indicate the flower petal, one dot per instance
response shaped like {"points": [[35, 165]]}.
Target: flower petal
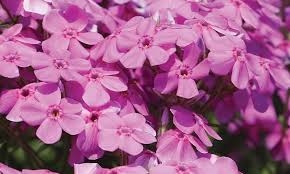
{"points": [[49, 131], [72, 124]]}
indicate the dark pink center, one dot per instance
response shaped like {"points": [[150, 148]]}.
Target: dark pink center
{"points": [[11, 57], [145, 42], [60, 63]]}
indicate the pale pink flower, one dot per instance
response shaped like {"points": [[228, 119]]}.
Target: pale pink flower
{"points": [[7, 170], [96, 83], [40, 7], [189, 122], [18, 97], [13, 33], [232, 56], [58, 64], [67, 28], [12, 56], [145, 44], [177, 168], [87, 141], [53, 114], [126, 133], [182, 74], [42, 171], [174, 145]]}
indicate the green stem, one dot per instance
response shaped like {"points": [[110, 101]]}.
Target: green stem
{"points": [[21, 143]]}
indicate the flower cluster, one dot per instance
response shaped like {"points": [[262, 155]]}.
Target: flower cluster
{"points": [[143, 80]]}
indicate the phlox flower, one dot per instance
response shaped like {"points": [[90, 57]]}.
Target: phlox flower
{"points": [[40, 7], [67, 28], [17, 97], [174, 145], [181, 74], [53, 114], [96, 83], [232, 56], [126, 133], [189, 122], [12, 56], [14, 34], [89, 168], [58, 64], [146, 43], [87, 142]]}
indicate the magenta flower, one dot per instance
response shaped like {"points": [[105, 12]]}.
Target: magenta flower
{"points": [[174, 145], [232, 56], [189, 122], [145, 44], [68, 28], [43, 171], [53, 114], [58, 64], [126, 133], [12, 56], [97, 81], [181, 75]]}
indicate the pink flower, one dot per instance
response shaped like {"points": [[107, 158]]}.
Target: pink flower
{"points": [[145, 44], [67, 28], [239, 10], [108, 49], [125, 133], [90, 168], [87, 142], [181, 75], [146, 159], [53, 114], [189, 122], [131, 101], [18, 97], [43, 171], [123, 170], [232, 55], [12, 56], [174, 145], [279, 143], [40, 7], [97, 81], [177, 168], [14, 34], [7, 170], [270, 69], [58, 64], [218, 165]]}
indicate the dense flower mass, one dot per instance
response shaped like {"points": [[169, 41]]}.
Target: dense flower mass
{"points": [[144, 86]]}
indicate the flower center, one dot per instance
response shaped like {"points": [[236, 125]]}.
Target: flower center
{"points": [[145, 42], [181, 169], [26, 93], [113, 172], [180, 135], [239, 54], [54, 112], [60, 63], [11, 57], [184, 71], [94, 116], [124, 131], [70, 33]]}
